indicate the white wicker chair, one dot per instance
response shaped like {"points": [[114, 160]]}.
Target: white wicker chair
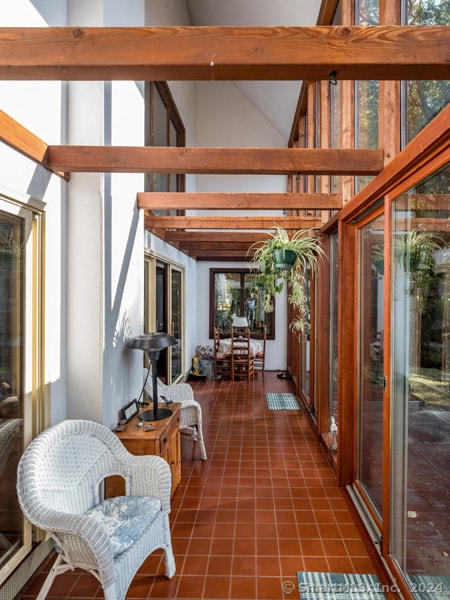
{"points": [[191, 411], [60, 480]]}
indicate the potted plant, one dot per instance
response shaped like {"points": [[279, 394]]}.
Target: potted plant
{"points": [[271, 259]]}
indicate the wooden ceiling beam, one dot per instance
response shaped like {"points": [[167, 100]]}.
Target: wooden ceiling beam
{"points": [[220, 237], [233, 223], [21, 139], [239, 255], [237, 201], [218, 161], [213, 245], [224, 53]]}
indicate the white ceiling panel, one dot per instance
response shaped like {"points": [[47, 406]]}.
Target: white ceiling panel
{"points": [[253, 12], [277, 101]]}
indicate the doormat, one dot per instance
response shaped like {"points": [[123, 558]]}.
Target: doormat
{"points": [[281, 402], [430, 586], [339, 586]]}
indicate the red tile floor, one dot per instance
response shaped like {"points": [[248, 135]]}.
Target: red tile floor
{"points": [[262, 507]]}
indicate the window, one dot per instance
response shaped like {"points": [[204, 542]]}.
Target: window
{"points": [[420, 381], [235, 293], [423, 100], [21, 365], [164, 127]]}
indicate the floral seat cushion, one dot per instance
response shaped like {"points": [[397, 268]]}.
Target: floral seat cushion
{"points": [[124, 518]]}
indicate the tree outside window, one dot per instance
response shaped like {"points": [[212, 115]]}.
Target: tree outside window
{"points": [[236, 293]]}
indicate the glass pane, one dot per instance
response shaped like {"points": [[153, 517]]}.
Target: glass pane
{"points": [[161, 316], [335, 131], [306, 352], [177, 323], [370, 361], [240, 294], [227, 299], [333, 331], [366, 121], [423, 100], [159, 133], [254, 305], [367, 12], [421, 384], [159, 183], [11, 392]]}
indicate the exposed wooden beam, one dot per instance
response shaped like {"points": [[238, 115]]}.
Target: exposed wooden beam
{"points": [[433, 138], [220, 253], [220, 237], [21, 139], [237, 201], [264, 223], [223, 53], [243, 161], [213, 245]]}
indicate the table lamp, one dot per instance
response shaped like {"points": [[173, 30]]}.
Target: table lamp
{"points": [[153, 343]]}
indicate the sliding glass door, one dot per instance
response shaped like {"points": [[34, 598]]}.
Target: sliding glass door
{"points": [[176, 322], [402, 463], [21, 406], [369, 474], [164, 310], [420, 536]]}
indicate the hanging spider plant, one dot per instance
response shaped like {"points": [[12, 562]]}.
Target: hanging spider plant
{"points": [[305, 246]]}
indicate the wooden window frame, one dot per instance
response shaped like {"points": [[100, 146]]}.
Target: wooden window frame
{"points": [[212, 274], [173, 118]]}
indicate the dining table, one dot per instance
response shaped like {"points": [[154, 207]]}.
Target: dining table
{"points": [[226, 344]]}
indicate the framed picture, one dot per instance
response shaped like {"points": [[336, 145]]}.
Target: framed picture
{"points": [[130, 410]]}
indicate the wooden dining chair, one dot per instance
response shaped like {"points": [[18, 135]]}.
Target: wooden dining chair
{"points": [[222, 362], [260, 357], [242, 358]]}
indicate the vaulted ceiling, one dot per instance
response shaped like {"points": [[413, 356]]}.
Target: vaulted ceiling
{"points": [[243, 54], [277, 101]]}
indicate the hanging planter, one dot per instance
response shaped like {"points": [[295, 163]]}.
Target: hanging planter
{"points": [[284, 258]]}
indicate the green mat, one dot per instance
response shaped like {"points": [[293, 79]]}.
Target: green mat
{"points": [[430, 587], [339, 586], [281, 402]]}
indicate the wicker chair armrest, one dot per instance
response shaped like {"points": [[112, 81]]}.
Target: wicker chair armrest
{"points": [[149, 476], [180, 392], [83, 539]]}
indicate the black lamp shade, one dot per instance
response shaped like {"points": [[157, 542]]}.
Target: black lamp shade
{"points": [[152, 343]]}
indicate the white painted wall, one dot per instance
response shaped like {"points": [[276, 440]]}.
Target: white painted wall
{"points": [[106, 235], [37, 106], [95, 237]]}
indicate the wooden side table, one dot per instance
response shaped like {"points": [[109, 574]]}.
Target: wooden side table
{"points": [[163, 440]]}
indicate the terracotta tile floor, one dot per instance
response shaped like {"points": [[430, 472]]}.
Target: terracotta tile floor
{"points": [[262, 507]]}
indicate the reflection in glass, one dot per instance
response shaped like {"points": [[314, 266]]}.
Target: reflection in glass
{"points": [[305, 339], [333, 326], [423, 100], [176, 323], [11, 393], [421, 381], [370, 355], [236, 293], [366, 121]]}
